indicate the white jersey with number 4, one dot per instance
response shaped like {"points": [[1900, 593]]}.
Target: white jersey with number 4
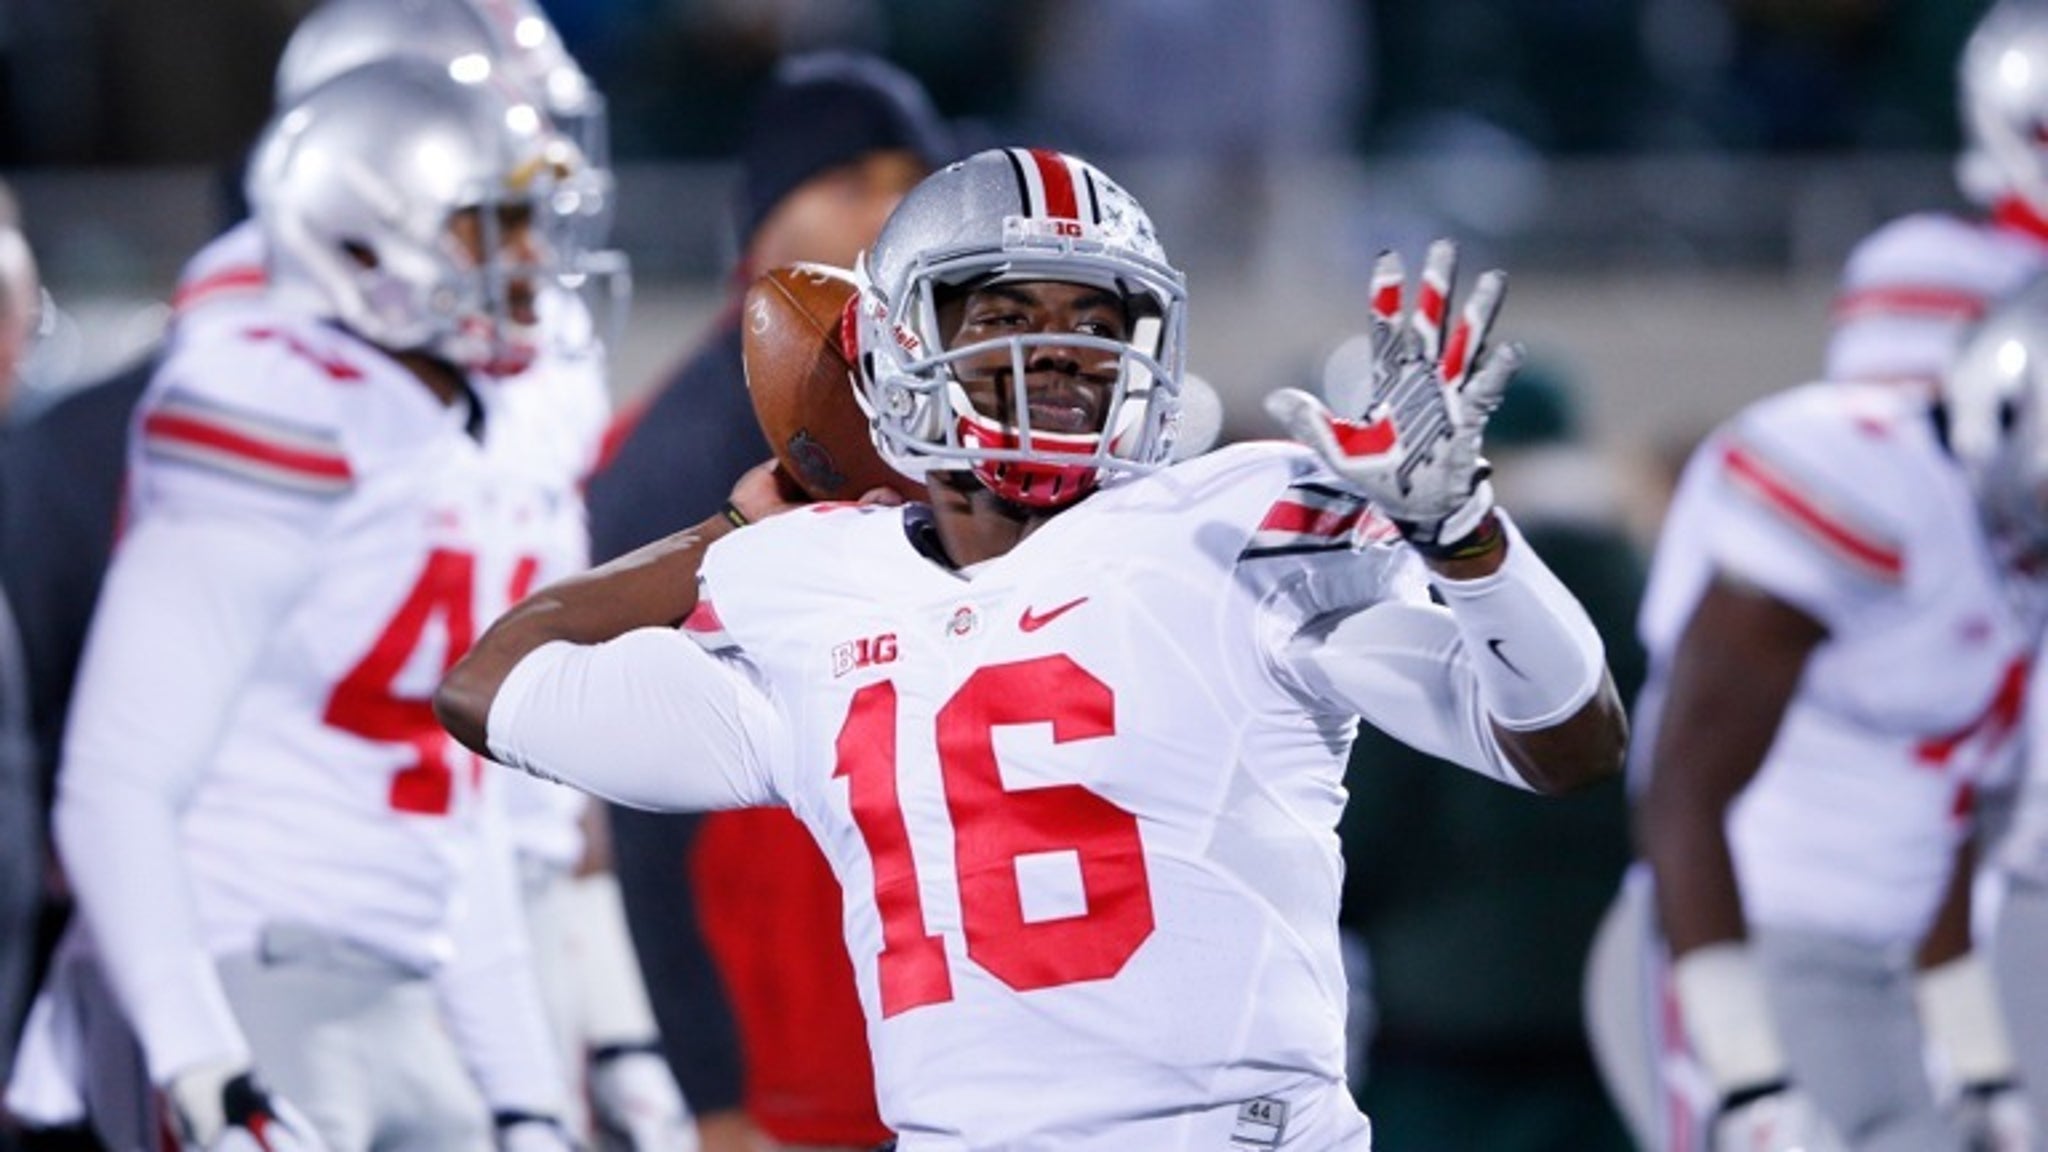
{"points": [[1838, 500], [1082, 798], [313, 538]]}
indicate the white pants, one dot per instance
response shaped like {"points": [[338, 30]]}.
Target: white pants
{"points": [[357, 1043]]}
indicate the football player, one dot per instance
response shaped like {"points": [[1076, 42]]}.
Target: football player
{"points": [[1073, 734], [1909, 292], [1841, 616], [300, 892]]}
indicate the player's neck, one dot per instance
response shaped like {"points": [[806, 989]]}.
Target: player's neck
{"points": [[975, 525], [447, 383]]}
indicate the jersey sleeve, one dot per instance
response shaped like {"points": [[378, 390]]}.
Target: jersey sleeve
{"points": [[650, 720], [187, 605], [245, 424], [1802, 509], [1911, 289], [236, 468]]}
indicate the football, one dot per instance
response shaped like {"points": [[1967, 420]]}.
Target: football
{"points": [[802, 386]]}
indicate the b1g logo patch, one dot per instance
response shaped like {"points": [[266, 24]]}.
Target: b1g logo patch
{"points": [[1261, 1123], [865, 652]]}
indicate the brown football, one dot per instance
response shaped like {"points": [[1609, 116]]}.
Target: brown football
{"points": [[802, 386]]}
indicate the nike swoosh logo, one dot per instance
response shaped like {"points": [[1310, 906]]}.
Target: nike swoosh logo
{"points": [[1493, 646], [1032, 622]]}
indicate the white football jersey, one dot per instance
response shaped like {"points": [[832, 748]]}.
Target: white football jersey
{"points": [[570, 408], [332, 536], [1839, 500], [224, 277], [1913, 287], [1083, 811]]}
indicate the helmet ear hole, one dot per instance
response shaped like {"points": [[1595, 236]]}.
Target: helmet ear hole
{"points": [[360, 252]]}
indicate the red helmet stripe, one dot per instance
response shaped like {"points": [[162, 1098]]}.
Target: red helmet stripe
{"points": [[1056, 181]]}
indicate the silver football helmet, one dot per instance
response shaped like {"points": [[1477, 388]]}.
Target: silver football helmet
{"points": [[507, 40], [2003, 81], [1993, 413], [1016, 214], [358, 187]]}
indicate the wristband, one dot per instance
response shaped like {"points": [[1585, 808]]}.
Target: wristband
{"points": [[734, 516], [1489, 536], [1959, 1009], [1721, 999]]}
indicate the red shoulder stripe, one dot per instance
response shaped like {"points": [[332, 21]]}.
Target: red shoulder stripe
{"points": [[1909, 300], [231, 279], [1777, 492], [247, 445]]}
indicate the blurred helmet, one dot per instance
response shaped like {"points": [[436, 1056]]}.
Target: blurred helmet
{"points": [[1016, 215], [1993, 413], [357, 187], [509, 40], [2003, 79]]}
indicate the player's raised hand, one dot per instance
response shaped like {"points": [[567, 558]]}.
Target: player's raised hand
{"points": [[222, 1108], [1413, 448]]}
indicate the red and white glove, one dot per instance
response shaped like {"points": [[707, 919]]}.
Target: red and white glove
{"points": [[221, 1108], [1414, 450]]}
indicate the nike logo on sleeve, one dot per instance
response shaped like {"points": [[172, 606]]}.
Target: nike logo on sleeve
{"points": [[1494, 646], [1032, 622]]}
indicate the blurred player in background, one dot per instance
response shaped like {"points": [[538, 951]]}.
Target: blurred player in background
{"points": [[1909, 291], [312, 896], [1841, 614], [606, 1032], [736, 914], [1073, 734]]}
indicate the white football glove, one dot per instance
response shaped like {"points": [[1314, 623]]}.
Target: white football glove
{"points": [[637, 1106], [222, 1108], [1996, 1118], [1782, 1120], [1414, 449]]}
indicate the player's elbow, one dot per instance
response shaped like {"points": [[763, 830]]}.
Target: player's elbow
{"points": [[1589, 746], [463, 706]]}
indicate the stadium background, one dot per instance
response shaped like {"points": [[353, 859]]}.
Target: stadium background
{"points": [[1671, 183]]}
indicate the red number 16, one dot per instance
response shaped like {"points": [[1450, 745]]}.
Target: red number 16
{"points": [[992, 827]]}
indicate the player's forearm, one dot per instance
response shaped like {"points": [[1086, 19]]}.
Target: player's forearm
{"points": [[137, 900], [1540, 665], [655, 586]]}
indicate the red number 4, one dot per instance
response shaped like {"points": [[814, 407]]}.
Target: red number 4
{"points": [[992, 828], [366, 702]]}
